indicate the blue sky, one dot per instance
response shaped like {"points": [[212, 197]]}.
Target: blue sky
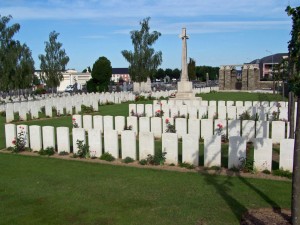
{"points": [[221, 32]]}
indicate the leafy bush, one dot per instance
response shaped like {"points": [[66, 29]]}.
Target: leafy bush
{"points": [[282, 173], [266, 171], [63, 153], [246, 165], [83, 150], [3, 113], [157, 159], [128, 160], [40, 91], [19, 142], [143, 162], [87, 109], [48, 151], [187, 165], [107, 157]]}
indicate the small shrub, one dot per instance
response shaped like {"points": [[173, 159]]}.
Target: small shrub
{"points": [[234, 169], [128, 127], [143, 162], [128, 160], [266, 171], [63, 153], [172, 164], [246, 165], [48, 151], [282, 173], [187, 165], [83, 150], [157, 159], [170, 127], [107, 157]]}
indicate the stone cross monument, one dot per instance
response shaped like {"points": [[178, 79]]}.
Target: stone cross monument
{"points": [[184, 86]]}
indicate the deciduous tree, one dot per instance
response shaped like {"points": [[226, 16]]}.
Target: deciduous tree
{"points": [[54, 62], [294, 61], [192, 69], [143, 59]]}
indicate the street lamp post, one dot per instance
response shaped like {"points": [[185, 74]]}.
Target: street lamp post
{"points": [[272, 71]]}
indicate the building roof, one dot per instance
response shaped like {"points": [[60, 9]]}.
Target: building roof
{"points": [[276, 58], [120, 71]]}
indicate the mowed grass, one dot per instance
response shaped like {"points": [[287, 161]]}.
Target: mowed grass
{"points": [[43, 190]]}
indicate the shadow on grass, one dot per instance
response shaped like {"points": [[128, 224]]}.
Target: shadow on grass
{"points": [[223, 188]]}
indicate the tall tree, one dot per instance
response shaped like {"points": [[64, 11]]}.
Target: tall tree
{"points": [[294, 60], [54, 62], [143, 60], [101, 73], [160, 74], [192, 69], [176, 73], [16, 63]]}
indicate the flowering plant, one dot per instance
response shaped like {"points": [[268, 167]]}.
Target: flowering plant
{"points": [[170, 127], [159, 113], [219, 129], [20, 141], [75, 124]]}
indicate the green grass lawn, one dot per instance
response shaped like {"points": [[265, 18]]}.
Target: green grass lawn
{"points": [[43, 190]]}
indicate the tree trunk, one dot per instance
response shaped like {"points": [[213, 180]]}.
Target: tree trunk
{"points": [[296, 173], [291, 114]]}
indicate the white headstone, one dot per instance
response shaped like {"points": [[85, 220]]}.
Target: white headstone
{"points": [[149, 110], [132, 121], [128, 144], [192, 111], [63, 139], [181, 126], [78, 134], [278, 131], [77, 119], [230, 103], [194, 127], [144, 124], [239, 103], [222, 112], [262, 129], [170, 146], [234, 128], [35, 137], [231, 112], [9, 113], [212, 112], [119, 124], [212, 151], [87, 122], [206, 128], [48, 137], [202, 112], [146, 144], [108, 123], [236, 151], [190, 149], [132, 109], [95, 142], [286, 157], [262, 154], [248, 129], [10, 135], [156, 126], [98, 122], [111, 144]]}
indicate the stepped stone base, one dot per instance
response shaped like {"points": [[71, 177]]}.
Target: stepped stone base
{"points": [[185, 91]]}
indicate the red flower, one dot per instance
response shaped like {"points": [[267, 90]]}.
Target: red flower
{"points": [[73, 119], [220, 126], [13, 142], [158, 111], [167, 120]]}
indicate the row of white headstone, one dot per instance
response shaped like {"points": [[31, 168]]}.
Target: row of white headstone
{"points": [[62, 104], [203, 128], [210, 112], [43, 137]]}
